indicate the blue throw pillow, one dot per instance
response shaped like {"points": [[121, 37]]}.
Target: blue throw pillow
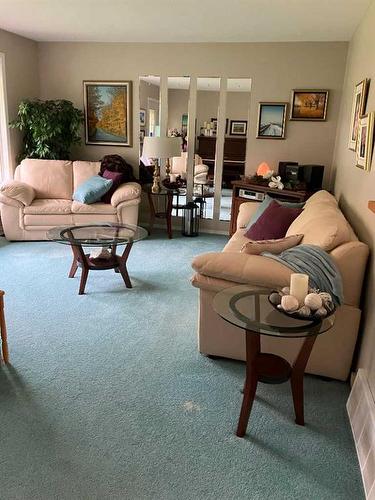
{"points": [[266, 203], [92, 190]]}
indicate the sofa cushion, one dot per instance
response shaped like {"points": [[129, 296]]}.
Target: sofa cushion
{"points": [[49, 207], [50, 179], [322, 224], [117, 179], [266, 203], [83, 170], [93, 208], [272, 246], [18, 191], [273, 223], [92, 189]]}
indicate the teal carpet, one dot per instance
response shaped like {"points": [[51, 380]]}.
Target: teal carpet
{"points": [[108, 398]]}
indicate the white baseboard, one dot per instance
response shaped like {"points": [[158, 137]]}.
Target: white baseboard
{"points": [[361, 411]]}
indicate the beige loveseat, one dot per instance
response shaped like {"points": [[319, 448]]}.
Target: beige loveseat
{"points": [[322, 224], [40, 197]]}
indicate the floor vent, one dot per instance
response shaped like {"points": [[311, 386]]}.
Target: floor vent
{"points": [[361, 411]]}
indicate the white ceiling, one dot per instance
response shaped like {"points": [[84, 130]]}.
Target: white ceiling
{"points": [[183, 21], [183, 83]]}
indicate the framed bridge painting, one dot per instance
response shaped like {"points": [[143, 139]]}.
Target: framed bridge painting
{"points": [[108, 112], [271, 120]]}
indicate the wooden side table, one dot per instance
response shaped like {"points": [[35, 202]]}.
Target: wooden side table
{"points": [[4, 342], [282, 195], [161, 206], [250, 309]]}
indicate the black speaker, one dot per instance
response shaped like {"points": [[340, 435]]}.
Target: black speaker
{"points": [[313, 176], [309, 177]]}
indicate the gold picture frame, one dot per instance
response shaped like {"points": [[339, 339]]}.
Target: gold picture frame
{"points": [[365, 141], [108, 113], [309, 105], [358, 110], [271, 120]]}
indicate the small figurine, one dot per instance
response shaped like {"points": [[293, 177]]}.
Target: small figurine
{"points": [[276, 183]]}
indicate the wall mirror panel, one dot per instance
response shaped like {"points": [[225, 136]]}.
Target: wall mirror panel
{"points": [[177, 126], [235, 145], [208, 92], [149, 105]]}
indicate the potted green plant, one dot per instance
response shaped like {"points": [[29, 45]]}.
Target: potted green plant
{"points": [[50, 128]]}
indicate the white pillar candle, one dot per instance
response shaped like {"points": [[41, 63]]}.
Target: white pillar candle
{"points": [[299, 286]]}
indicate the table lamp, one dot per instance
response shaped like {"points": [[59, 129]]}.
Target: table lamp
{"points": [[161, 147]]}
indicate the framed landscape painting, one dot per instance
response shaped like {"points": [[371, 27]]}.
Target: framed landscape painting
{"points": [[108, 111], [309, 105], [358, 110], [365, 141], [271, 120]]}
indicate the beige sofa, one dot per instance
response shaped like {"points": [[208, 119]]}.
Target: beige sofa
{"points": [[40, 197], [322, 224]]}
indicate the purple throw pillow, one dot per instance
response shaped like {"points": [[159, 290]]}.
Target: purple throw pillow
{"points": [[273, 223], [117, 178]]}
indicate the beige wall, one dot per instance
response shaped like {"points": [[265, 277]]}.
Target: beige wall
{"points": [[354, 187], [22, 77], [275, 69]]}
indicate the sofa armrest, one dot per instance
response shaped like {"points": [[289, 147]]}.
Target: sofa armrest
{"points": [[126, 192], [243, 268], [18, 191], [200, 169], [246, 210], [11, 202]]}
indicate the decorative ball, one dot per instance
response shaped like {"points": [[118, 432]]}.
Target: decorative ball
{"points": [[314, 301], [326, 297], [304, 311], [275, 298], [321, 312], [285, 290], [289, 303]]}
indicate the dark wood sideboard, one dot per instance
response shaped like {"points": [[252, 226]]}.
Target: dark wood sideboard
{"points": [[234, 156], [284, 195]]}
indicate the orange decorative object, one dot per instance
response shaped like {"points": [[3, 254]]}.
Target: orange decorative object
{"points": [[371, 205], [263, 169]]}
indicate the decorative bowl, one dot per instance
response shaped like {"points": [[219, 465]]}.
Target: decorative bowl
{"points": [[313, 317]]}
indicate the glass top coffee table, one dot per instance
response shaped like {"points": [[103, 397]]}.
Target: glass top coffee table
{"points": [[249, 308], [106, 234]]}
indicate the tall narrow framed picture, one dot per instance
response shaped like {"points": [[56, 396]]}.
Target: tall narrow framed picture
{"points": [[309, 105], [108, 112], [365, 141], [271, 120], [142, 117], [358, 110]]}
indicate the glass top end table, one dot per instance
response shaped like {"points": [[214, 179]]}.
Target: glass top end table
{"points": [[249, 308], [101, 234]]}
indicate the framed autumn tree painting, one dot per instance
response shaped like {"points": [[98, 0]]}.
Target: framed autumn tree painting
{"points": [[108, 112]]}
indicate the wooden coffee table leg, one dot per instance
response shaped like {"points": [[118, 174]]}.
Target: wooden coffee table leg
{"points": [[73, 268], [296, 378], [80, 257], [251, 382], [122, 265], [4, 342]]}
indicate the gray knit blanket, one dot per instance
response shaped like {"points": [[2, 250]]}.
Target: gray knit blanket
{"points": [[317, 264]]}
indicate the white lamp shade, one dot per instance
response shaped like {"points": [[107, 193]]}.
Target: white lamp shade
{"points": [[161, 147]]}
